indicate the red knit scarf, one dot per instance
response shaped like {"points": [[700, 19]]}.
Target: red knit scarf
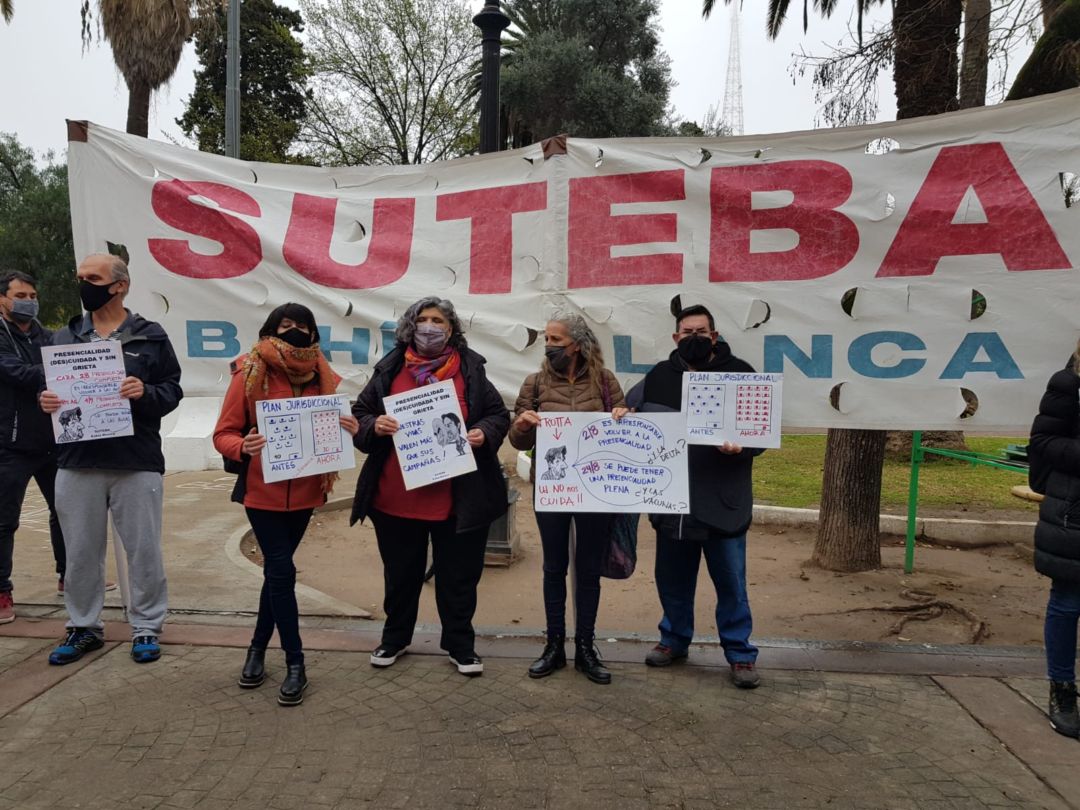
{"points": [[430, 370]]}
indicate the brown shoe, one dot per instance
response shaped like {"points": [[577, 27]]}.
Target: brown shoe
{"points": [[7, 608], [745, 675]]}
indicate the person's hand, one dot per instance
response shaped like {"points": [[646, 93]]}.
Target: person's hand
{"points": [[132, 388], [253, 442], [729, 448], [619, 413], [385, 425], [475, 437], [527, 421], [350, 424], [49, 401]]}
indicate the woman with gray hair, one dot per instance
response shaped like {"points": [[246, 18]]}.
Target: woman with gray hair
{"points": [[572, 377], [454, 515]]}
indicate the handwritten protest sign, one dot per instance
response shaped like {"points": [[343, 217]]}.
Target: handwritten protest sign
{"points": [[739, 408], [430, 441], [87, 377], [303, 436], [588, 462]]}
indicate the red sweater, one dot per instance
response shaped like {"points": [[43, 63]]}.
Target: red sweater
{"points": [[280, 496], [433, 502]]}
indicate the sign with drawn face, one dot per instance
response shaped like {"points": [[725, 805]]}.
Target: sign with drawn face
{"points": [[87, 377], [304, 436], [588, 462], [430, 441]]}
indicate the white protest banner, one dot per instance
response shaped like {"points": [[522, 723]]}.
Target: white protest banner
{"points": [[740, 408], [588, 462], [430, 440], [900, 275], [87, 377], [304, 436]]}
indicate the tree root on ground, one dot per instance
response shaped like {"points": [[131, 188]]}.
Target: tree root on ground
{"points": [[925, 608]]}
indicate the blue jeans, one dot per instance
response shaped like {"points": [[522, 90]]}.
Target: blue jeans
{"points": [[1059, 633], [677, 563]]}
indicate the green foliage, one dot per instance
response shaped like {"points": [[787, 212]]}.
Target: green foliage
{"points": [[273, 83], [791, 476], [35, 227], [391, 80], [589, 68]]}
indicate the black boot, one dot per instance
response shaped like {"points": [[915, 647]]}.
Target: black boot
{"points": [[292, 688], [254, 672], [552, 658], [1064, 718], [587, 660]]}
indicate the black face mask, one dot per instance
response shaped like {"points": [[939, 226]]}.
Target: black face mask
{"points": [[557, 358], [95, 296], [294, 337], [695, 349]]}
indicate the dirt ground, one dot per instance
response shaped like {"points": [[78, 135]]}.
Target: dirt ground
{"points": [[789, 598]]}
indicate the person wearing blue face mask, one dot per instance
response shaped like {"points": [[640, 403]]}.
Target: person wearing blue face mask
{"points": [[27, 449], [453, 515]]}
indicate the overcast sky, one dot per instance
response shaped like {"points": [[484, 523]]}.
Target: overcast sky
{"points": [[47, 77]]}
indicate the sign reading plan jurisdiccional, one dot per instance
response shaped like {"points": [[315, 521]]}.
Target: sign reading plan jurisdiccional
{"points": [[304, 436], [740, 408]]}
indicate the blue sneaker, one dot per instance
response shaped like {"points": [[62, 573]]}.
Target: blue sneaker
{"points": [[145, 649], [78, 643]]}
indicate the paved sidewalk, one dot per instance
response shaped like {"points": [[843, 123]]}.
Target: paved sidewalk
{"points": [[108, 733]]}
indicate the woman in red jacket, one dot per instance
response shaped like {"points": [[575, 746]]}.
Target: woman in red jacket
{"points": [[286, 362]]}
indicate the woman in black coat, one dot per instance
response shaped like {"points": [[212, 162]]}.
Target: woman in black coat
{"points": [[1054, 453], [453, 514]]}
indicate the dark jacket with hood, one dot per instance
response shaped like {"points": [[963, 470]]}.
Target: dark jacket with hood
{"points": [[24, 427], [148, 355], [479, 497], [1054, 453], [721, 490]]}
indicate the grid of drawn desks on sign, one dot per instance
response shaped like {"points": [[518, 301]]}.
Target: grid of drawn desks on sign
{"points": [[753, 407], [283, 439], [326, 427], [705, 407]]}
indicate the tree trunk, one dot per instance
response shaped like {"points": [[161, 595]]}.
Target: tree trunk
{"points": [[848, 538], [1049, 9], [927, 36], [138, 117], [974, 68], [925, 74], [1054, 63]]}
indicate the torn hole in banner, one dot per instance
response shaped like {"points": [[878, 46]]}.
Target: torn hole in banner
{"points": [[356, 232], [890, 204], [599, 158], [1070, 188], [676, 306], [882, 146], [888, 404], [978, 304], [971, 403], [142, 166], [757, 313], [878, 303], [598, 314], [250, 291], [847, 302], [159, 306], [834, 396], [530, 268], [761, 153], [690, 156]]}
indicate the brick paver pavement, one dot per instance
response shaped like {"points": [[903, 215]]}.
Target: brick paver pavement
{"points": [[179, 733]]}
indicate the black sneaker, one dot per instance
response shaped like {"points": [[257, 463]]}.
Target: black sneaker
{"points": [[384, 655], [468, 664], [1064, 718], [78, 643]]}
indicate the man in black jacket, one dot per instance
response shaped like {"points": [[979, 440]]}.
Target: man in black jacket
{"points": [[26, 436], [721, 506], [119, 476]]}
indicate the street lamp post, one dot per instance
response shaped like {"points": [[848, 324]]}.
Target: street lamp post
{"points": [[232, 81], [491, 21]]}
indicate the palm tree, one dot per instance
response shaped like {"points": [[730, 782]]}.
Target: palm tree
{"points": [[147, 38], [7, 9]]}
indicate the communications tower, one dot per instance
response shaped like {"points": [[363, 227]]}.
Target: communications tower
{"points": [[732, 113]]}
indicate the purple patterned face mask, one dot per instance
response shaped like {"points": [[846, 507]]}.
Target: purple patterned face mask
{"points": [[430, 339]]}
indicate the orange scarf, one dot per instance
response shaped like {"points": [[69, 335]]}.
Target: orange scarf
{"points": [[299, 365]]}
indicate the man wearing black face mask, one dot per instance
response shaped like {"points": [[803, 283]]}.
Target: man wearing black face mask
{"points": [[721, 506], [26, 436], [119, 476]]}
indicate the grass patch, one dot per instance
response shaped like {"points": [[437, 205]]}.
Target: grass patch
{"points": [[791, 476]]}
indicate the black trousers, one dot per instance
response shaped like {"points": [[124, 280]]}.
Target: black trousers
{"points": [[459, 561], [591, 539], [279, 534], [16, 470]]}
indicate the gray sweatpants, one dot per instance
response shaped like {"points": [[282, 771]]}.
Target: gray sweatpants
{"points": [[84, 499]]}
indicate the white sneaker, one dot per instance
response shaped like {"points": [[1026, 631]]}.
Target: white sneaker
{"points": [[470, 664], [384, 656]]}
